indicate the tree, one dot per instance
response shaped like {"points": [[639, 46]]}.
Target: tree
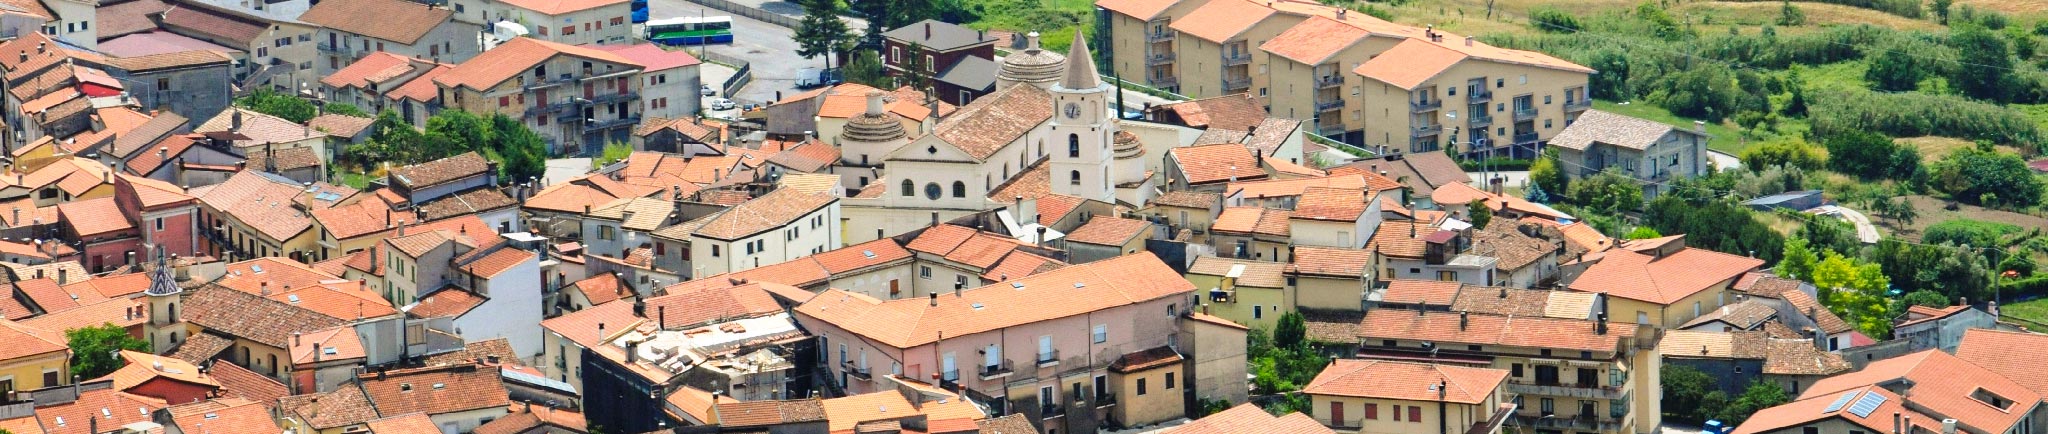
{"points": [[522, 152], [1989, 75], [1685, 391], [1895, 70], [1607, 191], [269, 102], [613, 152], [345, 110], [1798, 261], [1536, 194], [1292, 331], [1547, 173], [1986, 177], [1713, 223], [1790, 151], [1855, 291], [93, 349], [866, 68], [1480, 212], [1924, 298], [1871, 156], [1758, 396], [1706, 90], [1940, 8], [1904, 211], [1643, 233], [1551, 19], [1789, 15], [821, 32]]}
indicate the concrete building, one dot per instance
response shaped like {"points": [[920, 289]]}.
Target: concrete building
{"points": [[958, 61], [279, 48], [1389, 397], [1737, 359], [582, 22], [1649, 151], [1690, 282], [355, 28], [538, 82], [670, 82], [1942, 329], [1923, 392]]}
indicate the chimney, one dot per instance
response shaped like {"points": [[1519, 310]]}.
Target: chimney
{"points": [[935, 299], [235, 121], [1600, 324], [875, 103], [661, 316], [1259, 158], [958, 287], [1041, 236], [927, 30], [1948, 426], [1027, 210], [1895, 422], [63, 275], [1233, 173], [1464, 318], [265, 286], [639, 307], [1699, 127], [1031, 42], [163, 152], [1503, 292], [1468, 41], [1340, 14], [295, 339]]}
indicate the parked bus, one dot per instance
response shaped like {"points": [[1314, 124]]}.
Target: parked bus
{"points": [[639, 11], [690, 30]]}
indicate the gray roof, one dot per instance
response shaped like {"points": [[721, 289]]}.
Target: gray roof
{"points": [[1612, 129], [938, 35], [972, 73]]}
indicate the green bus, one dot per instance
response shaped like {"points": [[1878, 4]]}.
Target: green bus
{"points": [[690, 30]]}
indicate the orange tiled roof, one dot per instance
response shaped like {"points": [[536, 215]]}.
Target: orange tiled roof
{"points": [[119, 312], [1253, 220], [1313, 41], [863, 255], [262, 202], [1523, 332], [436, 390], [1666, 280], [414, 423], [1407, 381], [1401, 238], [993, 121], [1143, 10], [391, 20], [1942, 383], [1223, 162], [144, 367], [1263, 274], [1249, 418], [18, 341], [515, 57], [1330, 261], [113, 286], [526, 417], [1222, 20], [1108, 231], [1331, 204], [909, 323], [452, 302], [1429, 292], [104, 407], [2007, 353]]}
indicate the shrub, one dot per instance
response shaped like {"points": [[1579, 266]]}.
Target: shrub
{"points": [[1782, 152], [1967, 232], [1986, 177], [1871, 156], [1550, 19], [1919, 114]]}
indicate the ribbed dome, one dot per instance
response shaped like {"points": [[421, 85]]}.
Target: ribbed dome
{"points": [[872, 128], [1033, 65], [1127, 146]]}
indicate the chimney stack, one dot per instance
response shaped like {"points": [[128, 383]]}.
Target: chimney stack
{"points": [[958, 287], [875, 105], [935, 299], [1464, 319], [927, 30]]}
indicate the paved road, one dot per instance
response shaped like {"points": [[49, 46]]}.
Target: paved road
{"points": [[1865, 231], [767, 46], [1724, 161], [562, 170]]}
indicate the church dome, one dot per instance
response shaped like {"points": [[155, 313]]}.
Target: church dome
{"points": [[873, 125], [1033, 65], [1127, 146]]}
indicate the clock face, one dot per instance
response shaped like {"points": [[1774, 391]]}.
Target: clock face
{"points": [[1073, 110]]}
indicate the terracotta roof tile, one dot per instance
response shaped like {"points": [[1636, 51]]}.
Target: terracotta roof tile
{"points": [[776, 209], [767, 413], [421, 88], [104, 407], [908, 323], [1623, 273], [249, 316], [1222, 21], [1254, 273], [340, 125], [1941, 383], [562, 7], [201, 347], [170, 60], [1253, 220], [435, 172], [1018, 264], [1249, 418], [1189, 199], [1744, 315], [1225, 162], [1407, 381], [492, 264], [1597, 126], [2006, 353], [451, 302], [18, 341], [992, 121], [212, 20], [863, 255], [1313, 41], [261, 201], [415, 423], [118, 312], [1143, 10], [1506, 241], [527, 417], [437, 390], [1108, 231], [391, 20], [1502, 301], [515, 57], [1428, 292], [1520, 332], [1331, 204], [1330, 262]]}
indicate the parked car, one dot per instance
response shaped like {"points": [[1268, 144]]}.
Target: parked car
{"points": [[723, 104], [707, 91]]}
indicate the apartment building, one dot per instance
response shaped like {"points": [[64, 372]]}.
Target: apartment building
{"points": [[579, 22], [279, 49], [671, 80], [376, 82], [1649, 151], [1564, 375], [1005, 346], [780, 226], [1399, 397], [1359, 78], [538, 82], [356, 28]]}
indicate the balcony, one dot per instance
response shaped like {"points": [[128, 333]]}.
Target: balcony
{"points": [[1160, 36], [1478, 95], [1480, 121], [1163, 82], [1323, 106], [1104, 399], [1524, 138], [336, 49], [1331, 81], [1571, 423], [1230, 84], [1426, 130], [949, 379], [1425, 106], [1048, 358], [999, 370], [1330, 128], [1579, 391], [856, 371], [538, 83], [1157, 59], [1578, 105], [558, 106], [611, 123], [615, 97], [1051, 411], [1238, 58], [1525, 113]]}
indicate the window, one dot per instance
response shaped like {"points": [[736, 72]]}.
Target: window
{"points": [[1101, 334], [929, 65], [159, 223], [1074, 177], [1809, 430], [959, 189], [924, 271], [1045, 351], [960, 280], [618, 21], [1258, 312], [1447, 276], [568, 30], [49, 379], [607, 233], [1141, 387], [1415, 414], [1515, 370], [1372, 411], [714, 250], [504, 101], [1073, 146], [931, 191], [895, 54], [909, 188], [1397, 413], [1549, 406], [1169, 380]]}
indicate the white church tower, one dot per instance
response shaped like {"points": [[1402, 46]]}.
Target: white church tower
{"points": [[1082, 129]]}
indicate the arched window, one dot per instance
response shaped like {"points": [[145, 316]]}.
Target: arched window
{"points": [[909, 188], [959, 189], [1073, 146], [1074, 177]]}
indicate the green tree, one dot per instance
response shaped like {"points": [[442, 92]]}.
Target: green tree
{"points": [[1984, 176], [94, 349], [1643, 233], [1547, 174], [821, 32], [522, 152], [1292, 331], [1894, 70], [1758, 396], [1706, 90], [1854, 290], [1924, 298], [1790, 15], [1940, 8], [1781, 152], [1871, 156], [1481, 213], [269, 102], [1607, 191], [1685, 392], [1798, 261], [866, 68], [345, 110], [613, 152], [1551, 19], [1904, 211], [1989, 76], [1713, 223]]}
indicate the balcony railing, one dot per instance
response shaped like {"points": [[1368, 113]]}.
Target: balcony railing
{"points": [[611, 123], [1579, 391], [999, 370], [1330, 128], [341, 49], [1160, 36], [1577, 105], [1525, 113], [1478, 95], [1330, 81], [856, 370], [1234, 59], [615, 97], [537, 83], [1525, 138], [1426, 130], [1048, 358], [1237, 83], [1480, 121], [1163, 81], [1051, 411], [1158, 59], [558, 106], [1323, 106], [1425, 106], [1104, 399], [1571, 423]]}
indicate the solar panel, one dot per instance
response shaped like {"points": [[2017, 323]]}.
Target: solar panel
{"points": [[1839, 402], [1868, 403]]}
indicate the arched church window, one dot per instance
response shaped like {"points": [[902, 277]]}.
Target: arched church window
{"points": [[909, 188], [959, 189], [1073, 146], [1074, 177]]}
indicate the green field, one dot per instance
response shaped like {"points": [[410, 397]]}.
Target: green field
{"points": [[1726, 137], [2034, 311]]}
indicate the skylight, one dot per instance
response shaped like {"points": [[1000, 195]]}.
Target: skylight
{"points": [[1868, 403], [1839, 402]]}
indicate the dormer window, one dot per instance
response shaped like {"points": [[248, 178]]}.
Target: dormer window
{"points": [[1992, 399]]}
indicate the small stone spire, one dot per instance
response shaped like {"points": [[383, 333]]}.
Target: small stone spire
{"points": [[1080, 65]]}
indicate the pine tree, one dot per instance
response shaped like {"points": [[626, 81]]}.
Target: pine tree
{"points": [[821, 32]]}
